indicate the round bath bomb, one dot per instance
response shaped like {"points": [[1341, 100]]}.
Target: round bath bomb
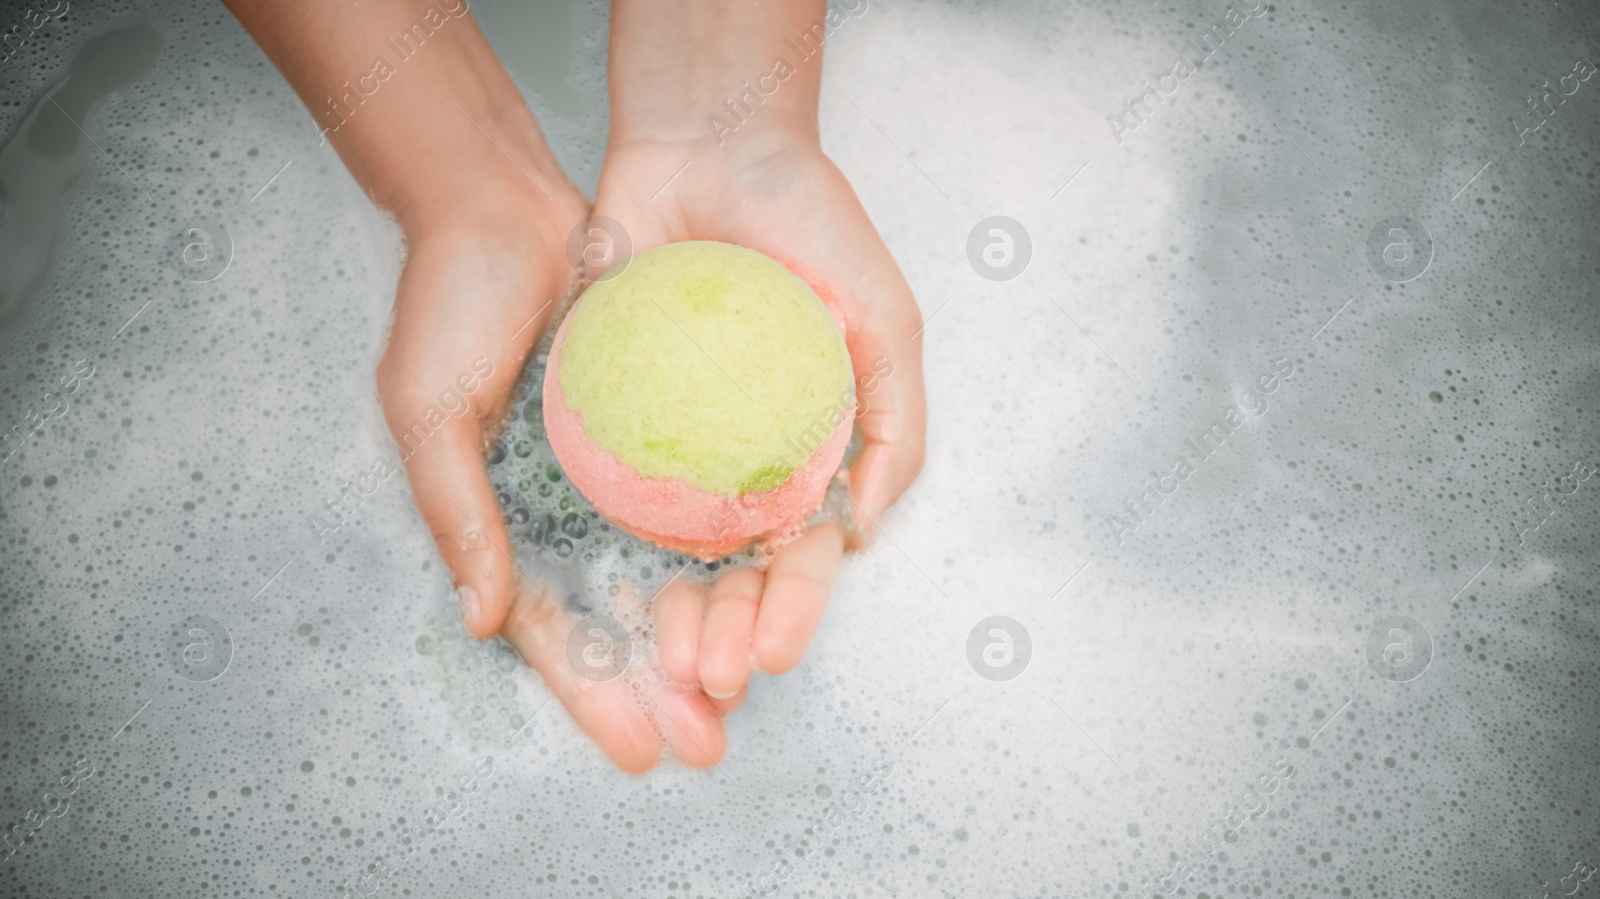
{"points": [[701, 397]]}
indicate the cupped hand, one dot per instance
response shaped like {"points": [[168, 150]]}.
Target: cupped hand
{"points": [[482, 278], [782, 196]]}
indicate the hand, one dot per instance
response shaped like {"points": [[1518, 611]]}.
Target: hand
{"points": [[481, 280], [779, 194], [447, 144], [757, 177], [444, 141]]}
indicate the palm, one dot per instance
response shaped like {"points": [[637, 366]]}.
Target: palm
{"points": [[794, 206]]}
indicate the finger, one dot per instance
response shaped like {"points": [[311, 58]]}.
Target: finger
{"points": [[455, 498], [683, 715], [885, 343], [724, 661], [679, 611], [609, 712], [794, 597], [892, 415], [722, 708], [691, 727]]}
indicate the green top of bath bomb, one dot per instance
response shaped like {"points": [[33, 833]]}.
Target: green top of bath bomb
{"points": [[706, 362]]}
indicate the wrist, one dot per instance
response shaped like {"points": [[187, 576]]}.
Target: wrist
{"points": [[445, 145], [722, 111], [752, 150], [733, 70], [454, 188], [505, 218], [467, 152]]}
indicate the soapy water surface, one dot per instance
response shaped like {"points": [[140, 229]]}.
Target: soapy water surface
{"points": [[1254, 554]]}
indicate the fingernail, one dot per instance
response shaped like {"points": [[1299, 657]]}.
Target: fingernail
{"points": [[729, 695], [468, 598]]}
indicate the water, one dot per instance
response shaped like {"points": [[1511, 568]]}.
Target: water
{"points": [[49, 155], [1327, 637]]}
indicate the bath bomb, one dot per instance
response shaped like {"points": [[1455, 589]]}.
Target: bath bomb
{"points": [[701, 397]]}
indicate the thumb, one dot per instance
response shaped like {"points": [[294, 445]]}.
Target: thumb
{"points": [[453, 493]]}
